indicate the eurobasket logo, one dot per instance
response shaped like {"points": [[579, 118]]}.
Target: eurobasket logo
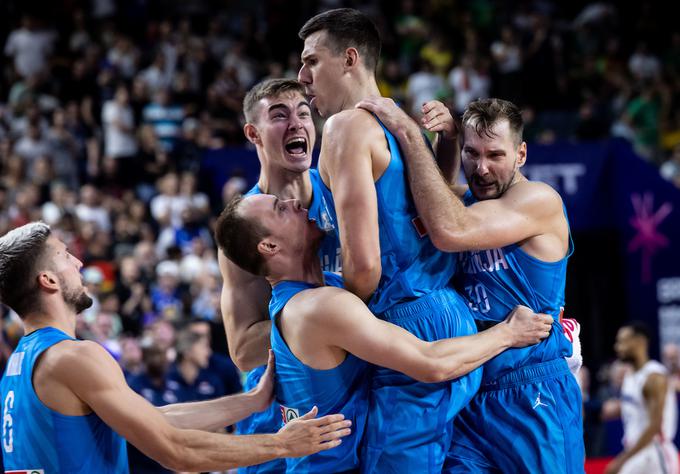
{"points": [[289, 414], [27, 471]]}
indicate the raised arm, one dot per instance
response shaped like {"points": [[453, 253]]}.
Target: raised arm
{"points": [[346, 161], [525, 210], [345, 322], [89, 372], [245, 313], [437, 118]]}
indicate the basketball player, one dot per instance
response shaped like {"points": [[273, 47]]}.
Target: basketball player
{"points": [[279, 124], [647, 407], [322, 333], [387, 261], [66, 406], [515, 240]]}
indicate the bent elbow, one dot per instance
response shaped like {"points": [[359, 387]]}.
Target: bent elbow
{"points": [[240, 358], [445, 240]]}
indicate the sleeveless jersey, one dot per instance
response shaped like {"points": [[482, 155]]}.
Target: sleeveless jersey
{"points": [[268, 421], [633, 409], [343, 389], [497, 280], [319, 212], [411, 265], [36, 438]]}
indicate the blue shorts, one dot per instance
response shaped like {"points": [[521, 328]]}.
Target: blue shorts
{"points": [[409, 422], [268, 421], [526, 421]]}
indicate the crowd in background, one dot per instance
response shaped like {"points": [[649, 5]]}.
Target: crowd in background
{"points": [[107, 107]]}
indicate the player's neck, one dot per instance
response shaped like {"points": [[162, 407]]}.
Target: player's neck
{"points": [[365, 87], [639, 361], [287, 185], [65, 321], [306, 269]]}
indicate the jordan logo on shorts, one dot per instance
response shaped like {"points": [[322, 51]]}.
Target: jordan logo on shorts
{"points": [[539, 403]]}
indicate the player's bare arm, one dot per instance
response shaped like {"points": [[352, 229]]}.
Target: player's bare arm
{"points": [[526, 210], [245, 313], [213, 415], [96, 382], [437, 118], [350, 162], [339, 319], [654, 393]]}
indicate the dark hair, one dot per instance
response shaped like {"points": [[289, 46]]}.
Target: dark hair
{"points": [[21, 251], [347, 28], [185, 341], [265, 89], [640, 329], [483, 114], [238, 238]]}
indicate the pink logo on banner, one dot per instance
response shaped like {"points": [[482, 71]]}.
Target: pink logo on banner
{"points": [[646, 222]]}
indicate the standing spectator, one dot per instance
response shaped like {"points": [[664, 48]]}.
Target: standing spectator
{"points": [[165, 117], [469, 82], [90, 209], [30, 47], [64, 151], [507, 57], [423, 86], [120, 143]]}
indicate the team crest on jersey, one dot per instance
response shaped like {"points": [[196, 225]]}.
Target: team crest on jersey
{"points": [[420, 227], [27, 471], [289, 414]]}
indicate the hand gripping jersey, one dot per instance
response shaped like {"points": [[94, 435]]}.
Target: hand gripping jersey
{"points": [[342, 389], [38, 439], [268, 421]]}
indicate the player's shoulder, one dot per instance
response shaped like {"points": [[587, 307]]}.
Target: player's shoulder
{"points": [[535, 193], [70, 358], [320, 302], [351, 121]]}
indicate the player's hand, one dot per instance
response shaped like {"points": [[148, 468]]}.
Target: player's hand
{"points": [[263, 393], [389, 113], [437, 118], [308, 435], [527, 327]]}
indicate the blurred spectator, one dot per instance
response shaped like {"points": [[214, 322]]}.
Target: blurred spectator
{"points": [[643, 65], [423, 85], [670, 170], [165, 118], [469, 82], [120, 143], [30, 46], [507, 57], [90, 208]]}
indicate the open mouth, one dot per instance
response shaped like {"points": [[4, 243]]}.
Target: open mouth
{"points": [[296, 146]]}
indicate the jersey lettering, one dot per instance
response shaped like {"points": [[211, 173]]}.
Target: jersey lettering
{"points": [[7, 423]]}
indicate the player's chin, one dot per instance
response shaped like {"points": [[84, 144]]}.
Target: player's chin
{"points": [[482, 192]]}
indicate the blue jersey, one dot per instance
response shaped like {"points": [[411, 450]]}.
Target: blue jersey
{"points": [[269, 421], [411, 265], [343, 389], [36, 438], [497, 280], [320, 212]]}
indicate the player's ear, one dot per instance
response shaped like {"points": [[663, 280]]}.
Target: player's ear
{"points": [[47, 281], [267, 248], [252, 134], [522, 154], [351, 57]]}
